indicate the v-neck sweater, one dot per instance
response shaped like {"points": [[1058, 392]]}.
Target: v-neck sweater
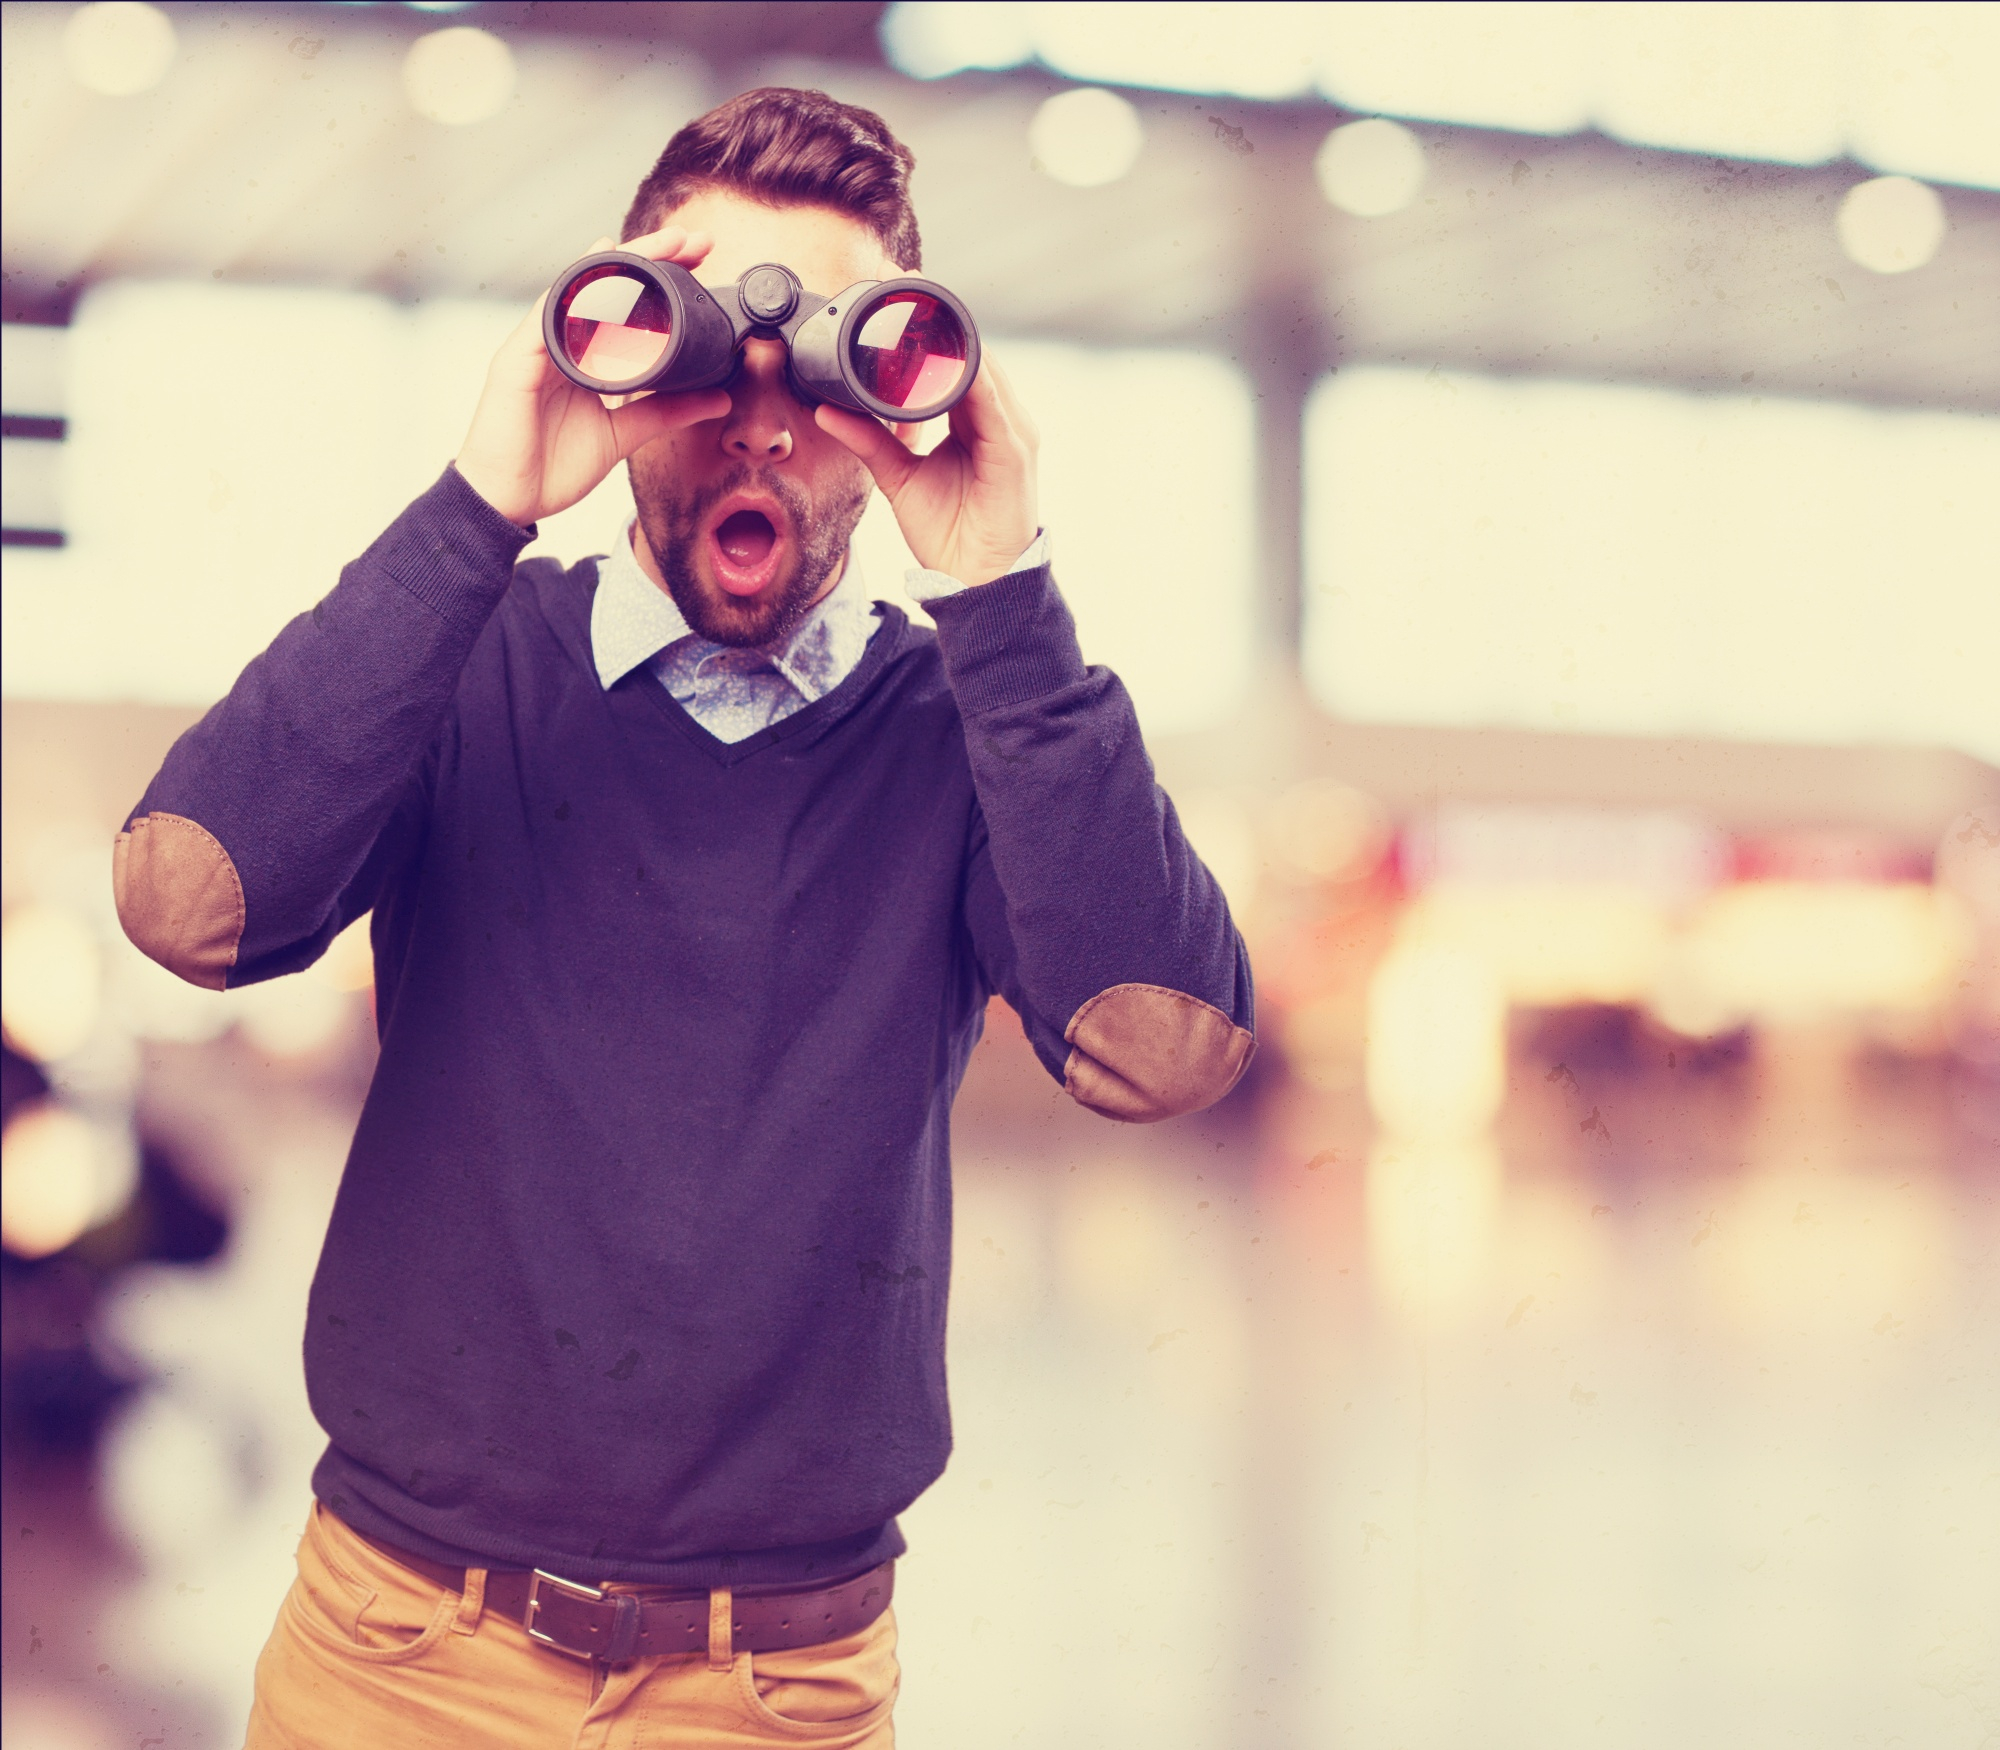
{"points": [[638, 1265]]}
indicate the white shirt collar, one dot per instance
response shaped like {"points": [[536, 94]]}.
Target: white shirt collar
{"points": [[632, 620]]}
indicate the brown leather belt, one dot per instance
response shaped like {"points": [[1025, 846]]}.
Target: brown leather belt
{"points": [[617, 1626]]}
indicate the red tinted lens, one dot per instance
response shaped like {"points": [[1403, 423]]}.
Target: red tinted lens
{"points": [[910, 350], [615, 325]]}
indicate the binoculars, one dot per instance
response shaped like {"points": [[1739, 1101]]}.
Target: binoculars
{"points": [[901, 349]]}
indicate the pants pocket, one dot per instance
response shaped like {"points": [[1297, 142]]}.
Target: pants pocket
{"points": [[843, 1686], [355, 1601]]}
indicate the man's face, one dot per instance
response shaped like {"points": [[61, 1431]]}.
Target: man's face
{"points": [[748, 517]]}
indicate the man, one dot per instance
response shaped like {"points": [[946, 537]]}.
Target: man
{"points": [[691, 874]]}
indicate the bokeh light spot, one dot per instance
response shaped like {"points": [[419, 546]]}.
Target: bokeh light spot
{"points": [[1437, 1043], [459, 76], [1890, 224], [119, 47], [1370, 168], [51, 980], [1086, 138], [60, 1175]]}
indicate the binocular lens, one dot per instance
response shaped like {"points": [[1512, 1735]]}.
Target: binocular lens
{"points": [[911, 351], [615, 326]]}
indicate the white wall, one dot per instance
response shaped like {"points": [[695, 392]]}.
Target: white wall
{"points": [[1637, 561]]}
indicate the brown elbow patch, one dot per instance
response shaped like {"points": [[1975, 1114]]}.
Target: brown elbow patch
{"points": [[1141, 1053], [179, 897]]}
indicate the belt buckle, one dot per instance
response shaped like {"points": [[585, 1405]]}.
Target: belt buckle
{"points": [[569, 1588]]}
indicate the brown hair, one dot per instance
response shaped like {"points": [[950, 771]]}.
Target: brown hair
{"points": [[790, 148]]}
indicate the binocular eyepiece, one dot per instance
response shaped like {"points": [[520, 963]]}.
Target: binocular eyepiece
{"points": [[901, 349]]}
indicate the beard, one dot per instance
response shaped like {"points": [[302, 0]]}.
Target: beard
{"points": [[672, 528]]}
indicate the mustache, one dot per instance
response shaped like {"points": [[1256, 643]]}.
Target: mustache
{"points": [[688, 514]]}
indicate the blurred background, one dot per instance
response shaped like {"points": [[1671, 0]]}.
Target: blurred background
{"points": [[1537, 467]]}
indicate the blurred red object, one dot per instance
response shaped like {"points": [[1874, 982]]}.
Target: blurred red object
{"points": [[1829, 854]]}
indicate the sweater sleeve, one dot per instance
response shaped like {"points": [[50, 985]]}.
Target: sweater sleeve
{"points": [[1088, 909], [277, 817]]}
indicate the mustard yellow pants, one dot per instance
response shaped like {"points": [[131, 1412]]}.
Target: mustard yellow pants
{"points": [[369, 1656]]}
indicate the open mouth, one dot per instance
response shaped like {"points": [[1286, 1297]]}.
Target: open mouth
{"points": [[745, 547]]}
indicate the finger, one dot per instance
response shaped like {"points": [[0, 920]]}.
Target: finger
{"points": [[920, 436], [670, 243], [640, 421], [521, 357], [528, 330], [1017, 413], [980, 418], [882, 452]]}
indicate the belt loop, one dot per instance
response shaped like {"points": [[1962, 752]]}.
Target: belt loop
{"points": [[466, 1620], [721, 1608], [625, 1621]]}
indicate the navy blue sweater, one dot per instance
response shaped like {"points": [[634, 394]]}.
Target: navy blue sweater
{"points": [[639, 1262]]}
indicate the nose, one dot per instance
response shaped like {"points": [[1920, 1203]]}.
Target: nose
{"points": [[762, 408]]}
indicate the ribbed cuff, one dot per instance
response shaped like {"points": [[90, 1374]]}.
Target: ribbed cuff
{"points": [[1007, 641], [451, 550]]}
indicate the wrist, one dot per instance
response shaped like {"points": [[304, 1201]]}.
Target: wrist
{"points": [[1003, 558], [929, 585], [500, 494]]}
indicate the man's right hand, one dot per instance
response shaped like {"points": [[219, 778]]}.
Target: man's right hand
{"points": [[538, 443]]}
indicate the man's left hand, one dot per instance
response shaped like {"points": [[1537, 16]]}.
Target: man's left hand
{"points": [[968, 508]]}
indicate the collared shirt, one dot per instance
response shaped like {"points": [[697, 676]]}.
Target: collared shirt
{"points": [[733, 691]]}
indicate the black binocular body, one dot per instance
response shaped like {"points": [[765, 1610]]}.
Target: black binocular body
{"points": [[901, 349]]}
